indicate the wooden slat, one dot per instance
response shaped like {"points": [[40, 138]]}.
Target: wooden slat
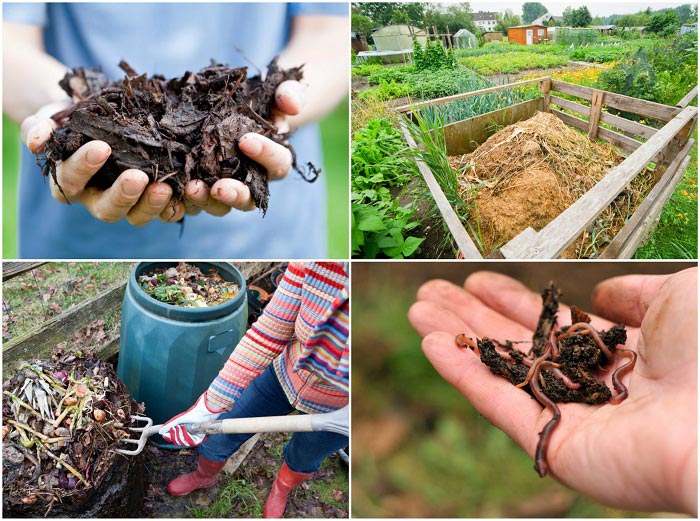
{"points": [[642, 221], [464, 95], [571, 105], [14, 269], [460, 235], [645, 108], [463, 137], [628, 125], [518, 243], [545, 87], [627, 144], [605, 117], [596, 109], [554, 238], [683, 103], [570, 120], [38, 341]]}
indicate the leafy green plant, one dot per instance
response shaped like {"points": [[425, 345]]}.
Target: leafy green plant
{"points": [[399, 74], [366, 69], [381, 226], [600, 54], [434, 57], [511, 63], [387, 90]]}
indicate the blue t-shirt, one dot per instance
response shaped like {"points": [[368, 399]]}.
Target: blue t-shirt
{"points": [[168, 39]]}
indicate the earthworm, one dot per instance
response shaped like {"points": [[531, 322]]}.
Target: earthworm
{"points": [[565, 379], [464, 342], [590, 329], [619, 373], [536, 362], [541, 453]]}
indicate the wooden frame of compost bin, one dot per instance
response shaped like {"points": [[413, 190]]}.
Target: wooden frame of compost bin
{"points": [[667, 148]]}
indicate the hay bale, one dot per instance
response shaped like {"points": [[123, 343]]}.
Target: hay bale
{"points": [[529, 172]]}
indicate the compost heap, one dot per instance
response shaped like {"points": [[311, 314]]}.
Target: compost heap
{"points": [[564, 364], [185, 285], [175, 130], [528, 173], [62, 418]]}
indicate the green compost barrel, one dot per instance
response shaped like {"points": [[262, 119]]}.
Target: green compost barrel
{"points": [[168, 355]]}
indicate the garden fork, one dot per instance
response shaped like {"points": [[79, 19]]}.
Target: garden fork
{"points": [[336, 421]]}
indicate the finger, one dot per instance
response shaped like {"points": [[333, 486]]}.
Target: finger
{"points": [[280, 120], [75, 172], [153, 201], [509, 408], [626, 299], [233, 193], [198, 195], [173, 212], [428, 317], [275, 158], [290, 97], [113, 204], [36, 131], [483, 320], [515, 301]]}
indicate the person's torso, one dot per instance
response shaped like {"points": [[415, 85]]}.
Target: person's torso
{"points": [[169, 39]]}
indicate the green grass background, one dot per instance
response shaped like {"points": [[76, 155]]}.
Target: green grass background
{"points": [[334, 132]]}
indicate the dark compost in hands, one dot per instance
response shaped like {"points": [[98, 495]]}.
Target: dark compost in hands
{"points": [[174, 130]]}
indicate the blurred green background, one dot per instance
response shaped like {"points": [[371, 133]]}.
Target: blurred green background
{"points": [[419, 449], [334, 132]]}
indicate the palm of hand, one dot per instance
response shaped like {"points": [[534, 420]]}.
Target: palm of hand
{"points": [[639, 454]]}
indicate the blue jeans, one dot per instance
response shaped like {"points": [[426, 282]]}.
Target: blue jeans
{"points": [[265, 397]]}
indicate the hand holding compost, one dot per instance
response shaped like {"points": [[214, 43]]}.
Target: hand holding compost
{"points": [[185, 285], [176, 130], [561, 365]]}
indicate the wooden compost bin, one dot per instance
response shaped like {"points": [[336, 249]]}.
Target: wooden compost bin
{"points": [[667, 148]]}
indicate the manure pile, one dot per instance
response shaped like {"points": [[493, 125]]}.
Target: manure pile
{"points": [[528, 173]]}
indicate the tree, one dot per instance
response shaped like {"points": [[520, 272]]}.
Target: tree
{"points": [[664, 24], [385, 13], [361, 25], [568, 16], [582, 17], [456, 16], [506, 20], [532, 10]]}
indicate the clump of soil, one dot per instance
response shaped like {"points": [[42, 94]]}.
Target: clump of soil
{"points": [[185, 285], [528, 173], [62, 420], [175, 130], [563, 364]]}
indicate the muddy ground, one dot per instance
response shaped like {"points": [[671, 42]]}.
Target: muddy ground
{"points": [[243, 493]]}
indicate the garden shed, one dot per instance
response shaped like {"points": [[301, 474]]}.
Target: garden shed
{"points": [[528, 34], [397, 37], [464, 39]]}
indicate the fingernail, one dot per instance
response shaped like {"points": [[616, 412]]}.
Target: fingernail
{"points": [[252, 145], [131, 188], [96, 156]]}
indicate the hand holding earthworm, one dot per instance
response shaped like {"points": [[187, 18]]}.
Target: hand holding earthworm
{"points": [[655, 468]]}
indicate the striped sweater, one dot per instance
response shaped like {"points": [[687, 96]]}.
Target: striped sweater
{"points": [[303, 332]]}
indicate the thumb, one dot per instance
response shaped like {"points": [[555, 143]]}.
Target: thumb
{"points": [[626, 299]]}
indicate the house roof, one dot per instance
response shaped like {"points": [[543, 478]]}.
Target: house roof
{"points": [[483, 16], [547, 17], [526, 25]]}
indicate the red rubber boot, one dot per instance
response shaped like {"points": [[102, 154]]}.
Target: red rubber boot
{"points": [[205, 476], [286, 480]]}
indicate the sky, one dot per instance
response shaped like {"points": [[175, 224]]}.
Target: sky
{"points": [[596, 7]]}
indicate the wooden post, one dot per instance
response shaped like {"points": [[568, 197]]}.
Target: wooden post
{"points": [[449, 37], [545, 87], [594, 117]]}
